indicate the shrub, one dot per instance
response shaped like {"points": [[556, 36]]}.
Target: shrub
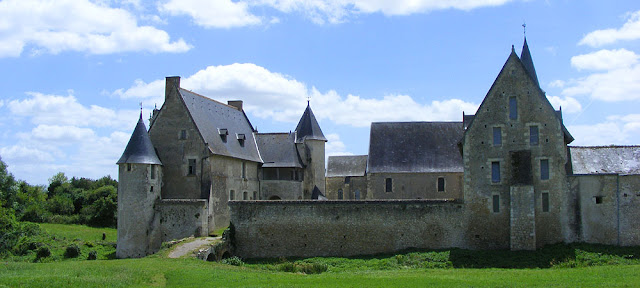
{"points": [[43, 252], [72, 251], [235, 261], [60, 204], [306, 268], [93, 255]]}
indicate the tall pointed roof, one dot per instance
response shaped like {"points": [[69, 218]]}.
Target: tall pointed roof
{"points": [[140, 149], [308, 127], [525, 57]]}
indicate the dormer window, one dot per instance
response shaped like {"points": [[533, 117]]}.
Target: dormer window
{"points": [[241, 139], [223, 134]]}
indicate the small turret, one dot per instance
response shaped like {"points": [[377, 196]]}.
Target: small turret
{"points": [[310, 143], [140, 181]]}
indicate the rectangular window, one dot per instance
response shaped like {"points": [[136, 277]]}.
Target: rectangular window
{"points": [[544, 169], [153, 171], [495, 172], [245, 195], [255, 195], [533, 135], [340, 194], [128, 166], [347, 180], [388, 185], [440, 184], [545, 202], [598, 199], [496, 203], [244, 170], [497, 136], [513, 108], [192, 167], [183, 134], [232, 195]]}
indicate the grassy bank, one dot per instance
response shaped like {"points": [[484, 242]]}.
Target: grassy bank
{"points": [[581, 265]]}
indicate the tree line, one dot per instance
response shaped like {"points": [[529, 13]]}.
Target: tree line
{"points": [[64, 200]]}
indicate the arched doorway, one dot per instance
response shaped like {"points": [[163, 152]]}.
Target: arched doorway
{"points": [[274, 197]]}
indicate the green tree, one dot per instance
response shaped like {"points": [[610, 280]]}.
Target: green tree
{"points": [[8, 186]]}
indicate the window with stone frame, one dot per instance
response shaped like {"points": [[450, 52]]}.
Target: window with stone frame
{"points": [[183, 134], [441, 184], [495, 171], [496, 203], [545, 202], [513, 108], [255, 195], [192, 167], [544, 169], [340, 194], [534, 136], [153, 171], [232, 195], [497, 136], [245, 195], [388, 185], [244, 170]]}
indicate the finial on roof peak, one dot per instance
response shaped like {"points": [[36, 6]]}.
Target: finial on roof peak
{"points": [[513, 49], [524, 28]]}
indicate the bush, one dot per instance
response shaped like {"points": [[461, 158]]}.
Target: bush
{"points": [[306, 268], [72, 251], [235, 261], [93, 255], [43, 252], [60, 204]]}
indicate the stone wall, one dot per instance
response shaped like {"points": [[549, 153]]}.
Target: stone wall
{"points": [[414, 186], [356, 183], [629, 187], [264, 229], [182, 218], [280, 189], [523, 218]]}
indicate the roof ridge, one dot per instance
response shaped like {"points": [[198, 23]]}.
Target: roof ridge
{"points": [[210, 99]]}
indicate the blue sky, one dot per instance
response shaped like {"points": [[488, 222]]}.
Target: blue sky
{"points": [[74, 72]]}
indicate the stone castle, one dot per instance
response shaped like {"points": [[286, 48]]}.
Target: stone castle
{"points": [[503, 178]]}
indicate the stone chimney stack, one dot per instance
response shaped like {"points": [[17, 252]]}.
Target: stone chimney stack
{"points": [[236, 103], [171, 82]]}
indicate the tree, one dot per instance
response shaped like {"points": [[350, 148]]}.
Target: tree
{"points": [[8, 186]]}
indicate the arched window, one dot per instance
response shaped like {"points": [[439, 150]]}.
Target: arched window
{"points": [[245, 195]]}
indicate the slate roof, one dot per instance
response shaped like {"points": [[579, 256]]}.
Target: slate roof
{"points": [[278, 150], [308, 127], [605, 160], [415, 147], [344, 166], [210, 116], [527, 62], [139, 149]]}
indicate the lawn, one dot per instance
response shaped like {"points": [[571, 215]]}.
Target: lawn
{"points": [[579, 265]]}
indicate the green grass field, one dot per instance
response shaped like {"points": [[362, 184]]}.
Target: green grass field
{"points": [[556, 266]]}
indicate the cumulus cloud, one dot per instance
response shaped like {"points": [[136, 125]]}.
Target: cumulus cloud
{"points": [[77, 25], [227, 13], [616, 129], [335, 146], [213, 13], [629, 31], [66, 111], [568, 104], [280, 97], [622, 84], [62, 135], [605, 60]]}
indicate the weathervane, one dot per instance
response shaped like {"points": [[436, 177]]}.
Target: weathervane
{"points": [[524, 28], [140, 107], [308, 99]]}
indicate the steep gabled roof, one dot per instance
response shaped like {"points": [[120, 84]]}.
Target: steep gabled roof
{"points": [[278, 150], [568, 138], [308, 127], [212, 117], [415, 147], [527, 62], [139, 149], [605, 160], [346, 166]]}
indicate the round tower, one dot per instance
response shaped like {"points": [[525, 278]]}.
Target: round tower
{"points": [[139, 184], [310, 143]]}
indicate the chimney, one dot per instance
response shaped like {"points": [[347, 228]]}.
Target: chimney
{"points": [[172, 82], [236, 103]]}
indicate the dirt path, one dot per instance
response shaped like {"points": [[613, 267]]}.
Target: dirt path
{"points": [[185, 248]]}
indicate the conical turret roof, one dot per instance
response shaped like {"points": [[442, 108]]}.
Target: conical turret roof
{"points": [[308, 127], [140, 149], [525, 57]]}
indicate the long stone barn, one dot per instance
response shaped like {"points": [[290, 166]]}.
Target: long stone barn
{"points": [[512, 182]]}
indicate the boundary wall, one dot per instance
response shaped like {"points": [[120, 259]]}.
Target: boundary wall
{"points": [[269, 229]]}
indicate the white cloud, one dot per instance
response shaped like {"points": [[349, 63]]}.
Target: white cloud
{"points": [[273, 95], [61, 134], [335, 146], [629, 31], [23, 153], [621, 84], [213, 13], [66, 111], [605, 60], [76, 25], [227, 13], [616, 129], [568, 104]]}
